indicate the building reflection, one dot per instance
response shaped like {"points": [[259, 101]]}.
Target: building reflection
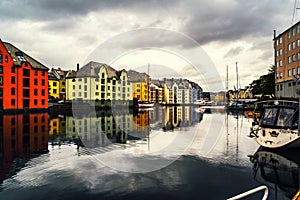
{"points": [[279, 170], [22, 136], [102, 128]]}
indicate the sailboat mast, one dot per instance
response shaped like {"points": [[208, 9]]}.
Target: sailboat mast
{"points": [[237, 79]]}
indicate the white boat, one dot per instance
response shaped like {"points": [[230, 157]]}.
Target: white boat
{"points": [[278, 126], [145, 105]]}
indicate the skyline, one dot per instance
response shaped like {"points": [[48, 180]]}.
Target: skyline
{"points": [[64, 33]]}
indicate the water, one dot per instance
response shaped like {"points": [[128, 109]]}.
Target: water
{"points": [[163, 153]]}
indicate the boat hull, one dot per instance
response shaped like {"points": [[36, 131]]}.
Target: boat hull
{"points": [[278, 138]]}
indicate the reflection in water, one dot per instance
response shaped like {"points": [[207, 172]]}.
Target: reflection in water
{"points": [[279, 170], [107, 127], [22, 136]]}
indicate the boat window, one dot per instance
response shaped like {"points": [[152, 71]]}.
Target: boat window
{"points": [[269, 116], [285, 117]]}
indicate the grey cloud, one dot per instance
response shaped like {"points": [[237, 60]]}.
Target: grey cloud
{"points": [[233, 52], [224, 22]]}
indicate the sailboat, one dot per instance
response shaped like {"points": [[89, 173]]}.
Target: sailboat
{"points": [[147, 104]]}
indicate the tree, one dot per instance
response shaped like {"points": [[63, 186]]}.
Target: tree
{"points": [[265, 85]]}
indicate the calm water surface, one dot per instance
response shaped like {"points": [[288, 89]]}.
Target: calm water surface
{"points": [[164, 153]]}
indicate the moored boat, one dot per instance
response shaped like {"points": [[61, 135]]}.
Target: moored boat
{"points": [[278, 126]]}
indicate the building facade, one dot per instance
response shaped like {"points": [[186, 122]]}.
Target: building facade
{"points": [[287, 61], [100, 83], [140, 85], [23, 80]]}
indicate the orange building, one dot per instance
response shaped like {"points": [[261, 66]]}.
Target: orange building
{"points": [[23, 80], [287, 61]]}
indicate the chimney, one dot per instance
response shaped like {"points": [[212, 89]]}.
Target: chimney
{"points": [[77, 66], [274, 33]]}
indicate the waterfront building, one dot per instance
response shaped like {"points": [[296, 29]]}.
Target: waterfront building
{"points": [[156, 92], [196, 92], [57, 83], [168, 91], [100, 83], [23, 80], [140, 85], [287, 61]]}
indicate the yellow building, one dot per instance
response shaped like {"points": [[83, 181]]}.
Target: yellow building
{"points": [[140, 84], [57, 83], [53, 88]]}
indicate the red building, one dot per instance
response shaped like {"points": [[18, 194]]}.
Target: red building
{"points": [[23, 80]]}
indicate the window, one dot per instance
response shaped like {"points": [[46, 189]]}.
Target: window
{"points": [[63, 90], [280, 51], [79, 87], [1, 69], [43, 82], [108, 88], [289, 34], [35, 101], [43, 92], [26, 72], [294, 71], [1, 80], [35, 81], [102, 75], [43, 103], [43, 73], [289, 47], [35, 72], [26, 82], [79, 94], [73, 87], [102, 81], [73, 94], [280, 75], [13, 102], [298, 70], [85, 80], [0, 58], [289, 59], [26, 93], [97, 87], [85, 94], [6, 58], [63, 83], [294, 58], [294, 45], [13, 69], [13, 80], [73, 80], [54, 91], [85, 88], [280, 40], [13, 91], [277, 64], [35, 92], [54, 84], [293, 32], [1, 92]]}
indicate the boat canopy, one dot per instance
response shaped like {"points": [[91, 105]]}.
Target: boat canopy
{"points": [[285, 117]]}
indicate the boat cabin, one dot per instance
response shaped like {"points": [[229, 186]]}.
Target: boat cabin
{"points": [[280, 117]]}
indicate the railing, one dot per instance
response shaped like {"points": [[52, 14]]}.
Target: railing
{"points": [[250, 192]]}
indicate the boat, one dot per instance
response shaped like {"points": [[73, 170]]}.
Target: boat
{"points": [[145, 105], [278, 125]]}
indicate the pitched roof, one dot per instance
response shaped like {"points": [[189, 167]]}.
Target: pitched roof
{"points": [[135, 76], [92, 70], [19, 56]]}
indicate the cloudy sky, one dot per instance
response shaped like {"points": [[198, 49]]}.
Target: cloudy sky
{"points": [[192, 39]]}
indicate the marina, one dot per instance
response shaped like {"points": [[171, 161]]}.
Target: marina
{"points": [[158, 153]]}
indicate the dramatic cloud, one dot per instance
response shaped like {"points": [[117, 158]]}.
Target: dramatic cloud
{"points": [[63, 33]]}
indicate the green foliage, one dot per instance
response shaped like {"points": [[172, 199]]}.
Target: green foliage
{"points": [[265, 85]]}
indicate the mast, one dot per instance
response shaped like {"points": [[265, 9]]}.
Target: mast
{"points": [[237, 80], [226, 85]]}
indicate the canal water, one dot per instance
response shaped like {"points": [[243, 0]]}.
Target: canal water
{"points": [[178, 152]]}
